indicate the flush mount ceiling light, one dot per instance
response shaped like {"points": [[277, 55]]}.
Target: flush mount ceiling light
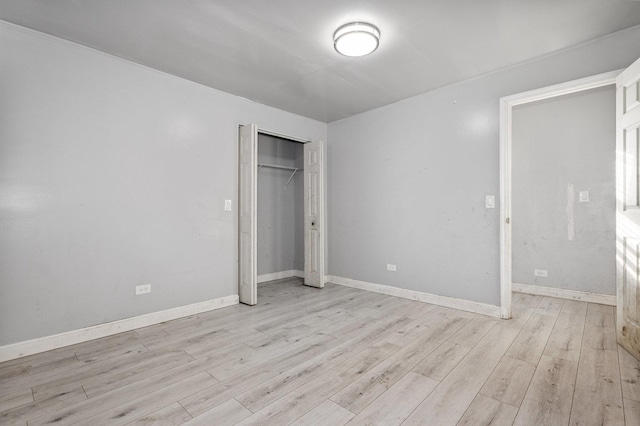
{"points": [[356, 39]]}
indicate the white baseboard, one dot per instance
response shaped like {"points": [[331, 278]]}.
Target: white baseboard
{"points": [[43, 344], [449, 302], [279, 275], [584, 296]]}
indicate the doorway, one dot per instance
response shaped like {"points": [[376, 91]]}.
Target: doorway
{"points": [[507, 105], [280, 203], [313, 209]]}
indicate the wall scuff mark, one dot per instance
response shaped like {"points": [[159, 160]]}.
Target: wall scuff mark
{"points": [[571, 232]]}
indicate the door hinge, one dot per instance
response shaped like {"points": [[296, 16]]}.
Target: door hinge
{"points": [[508, 221]]}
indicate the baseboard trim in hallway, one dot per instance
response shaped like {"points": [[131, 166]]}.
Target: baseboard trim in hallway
{"points": [[434, 299], [561, 293]]}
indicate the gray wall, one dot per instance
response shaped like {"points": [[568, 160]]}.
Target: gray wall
{"points": [[407, 182], [113, 175], [280, 215], [568, 140]]}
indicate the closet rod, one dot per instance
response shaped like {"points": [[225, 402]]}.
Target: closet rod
{"points": [[273, 166]]}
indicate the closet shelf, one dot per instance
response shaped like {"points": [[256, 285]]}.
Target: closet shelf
{"points": [[274, 166]]}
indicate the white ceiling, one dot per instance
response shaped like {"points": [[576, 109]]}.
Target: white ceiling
{"points": [[280, 52]]}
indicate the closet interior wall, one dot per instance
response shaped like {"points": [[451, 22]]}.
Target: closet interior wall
{"points": [[280, 206]]}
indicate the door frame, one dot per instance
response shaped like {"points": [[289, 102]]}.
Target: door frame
{"points": [[261, 130], [506, 134]]}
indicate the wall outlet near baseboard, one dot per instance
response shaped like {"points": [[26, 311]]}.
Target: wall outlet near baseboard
{"points": [[391, 267], [143, 289], [540, 273]]}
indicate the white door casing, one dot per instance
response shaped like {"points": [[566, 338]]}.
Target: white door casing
{"points": [[628, 208], [247, 214], [314, 214]]}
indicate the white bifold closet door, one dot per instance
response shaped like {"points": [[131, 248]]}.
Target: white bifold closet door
{"points": [[313, 214], [247, 215]]}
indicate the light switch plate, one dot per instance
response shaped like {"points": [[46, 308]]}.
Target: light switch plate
{"points": [[227, 205], [391, 267], [490, 201], [583, 196]]}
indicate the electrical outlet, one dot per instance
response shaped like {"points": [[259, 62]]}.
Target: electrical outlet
{"points": [[143, 289], [227, 205], [540, 273], [391, 267]]}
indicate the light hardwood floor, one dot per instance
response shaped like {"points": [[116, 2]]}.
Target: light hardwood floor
{"points": [[338, 356]]}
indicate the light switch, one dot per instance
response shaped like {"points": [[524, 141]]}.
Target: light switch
{"points": [[227, 205], [583, 196], [490, 201]]}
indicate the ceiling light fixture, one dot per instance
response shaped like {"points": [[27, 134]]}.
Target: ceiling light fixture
{"points": [[356, 39]]}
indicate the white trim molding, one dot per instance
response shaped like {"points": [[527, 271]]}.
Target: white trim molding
{"points": [[506, 113], [561, 293], [449, 302], [280, 275], [43, 344]]}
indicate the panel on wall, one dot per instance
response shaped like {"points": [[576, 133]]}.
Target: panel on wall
{"points": [[631, 95], [630, 278], [630, 141]]}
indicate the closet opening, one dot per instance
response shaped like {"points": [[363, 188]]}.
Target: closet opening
{"points": [[280, 210], [280, 229]]}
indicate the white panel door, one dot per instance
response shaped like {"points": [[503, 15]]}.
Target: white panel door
{"points": [[313, 214], [247, 215], [628, 208]]}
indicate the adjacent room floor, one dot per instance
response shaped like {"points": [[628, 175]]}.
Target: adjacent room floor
{"points": [[338, 356]]}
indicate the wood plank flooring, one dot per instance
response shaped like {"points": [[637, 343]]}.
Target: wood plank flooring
{"points": [[338, 356]]}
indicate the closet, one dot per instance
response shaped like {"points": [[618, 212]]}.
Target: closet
{"points": [[280, 208], [285, 225]]}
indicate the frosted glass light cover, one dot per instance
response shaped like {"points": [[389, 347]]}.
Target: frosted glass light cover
{"points": [[356, 39]]}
